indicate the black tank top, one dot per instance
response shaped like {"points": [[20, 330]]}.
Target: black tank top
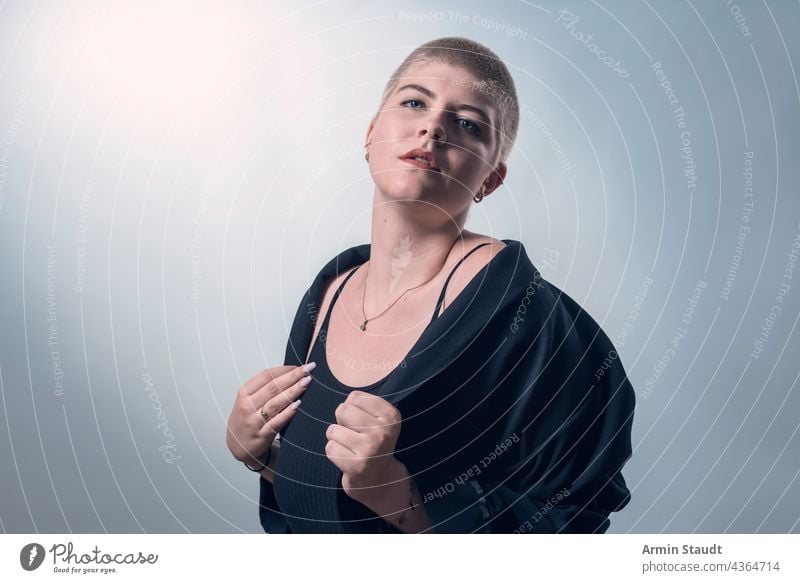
{"points": [[307, 485]]}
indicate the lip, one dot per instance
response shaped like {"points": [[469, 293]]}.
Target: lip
{"points": [[419, 152]]}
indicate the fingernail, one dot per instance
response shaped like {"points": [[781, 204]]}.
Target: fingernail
{"points": [[296, 404], [305, 381], [309, 367]]}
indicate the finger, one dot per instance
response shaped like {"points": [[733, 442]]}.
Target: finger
{"points": [[279, 384], [278, 422], [345, 437], [355, 418], [254, 383], [285, 398], [340, 456], [372, 404]]}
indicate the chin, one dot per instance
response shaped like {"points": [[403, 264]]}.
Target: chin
{"points": [[405, 189], [412, 184]]}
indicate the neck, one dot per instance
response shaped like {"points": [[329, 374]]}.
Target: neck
{"points": [[409, 247]]}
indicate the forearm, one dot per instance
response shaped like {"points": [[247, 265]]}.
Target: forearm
{"points": [[394, 498]]}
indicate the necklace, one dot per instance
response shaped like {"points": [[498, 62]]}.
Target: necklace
{"points": [[364, 296]]}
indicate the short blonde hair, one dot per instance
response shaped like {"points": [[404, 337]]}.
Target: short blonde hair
{"points": [[493, 75]]}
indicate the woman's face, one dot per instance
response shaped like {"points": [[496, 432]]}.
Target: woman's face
{"points": [[436, 109]]}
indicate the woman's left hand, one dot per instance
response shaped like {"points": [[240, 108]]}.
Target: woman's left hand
{"points": [[362, 442]]}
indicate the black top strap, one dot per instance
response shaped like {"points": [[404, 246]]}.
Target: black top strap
{"points": [[336, 296], [447, 281]]}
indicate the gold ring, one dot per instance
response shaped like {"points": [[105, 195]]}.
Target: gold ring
{"points": [[264, 416]]}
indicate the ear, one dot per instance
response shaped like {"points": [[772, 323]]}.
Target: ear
{"points": [[496, 178], [368, 137]]}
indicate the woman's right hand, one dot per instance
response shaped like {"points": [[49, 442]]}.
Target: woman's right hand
{"points": [[274, 390]]}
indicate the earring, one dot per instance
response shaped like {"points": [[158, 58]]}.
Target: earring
{"points": [[479, 197], [366, 155]]}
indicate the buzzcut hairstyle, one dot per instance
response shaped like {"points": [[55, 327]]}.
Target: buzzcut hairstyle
{"points": [[493, 76]]}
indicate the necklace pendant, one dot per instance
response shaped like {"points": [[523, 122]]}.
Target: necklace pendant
{"points": [[364, 325]]}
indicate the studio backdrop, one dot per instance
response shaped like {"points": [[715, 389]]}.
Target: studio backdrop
{"points": [[174, 175]]}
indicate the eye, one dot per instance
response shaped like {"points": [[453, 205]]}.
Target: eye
{"points": [[411, 101], [470, 126], [467, 124]]}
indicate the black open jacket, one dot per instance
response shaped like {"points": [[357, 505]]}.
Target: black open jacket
{"points": [[516, 409]]}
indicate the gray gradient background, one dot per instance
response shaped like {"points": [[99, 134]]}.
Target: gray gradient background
{"points": [[152, 145]]}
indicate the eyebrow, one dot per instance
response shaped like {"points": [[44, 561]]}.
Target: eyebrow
{"points": [[432, 95]]}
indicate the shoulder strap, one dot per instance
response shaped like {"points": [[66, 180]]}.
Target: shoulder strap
{"points": [[447, 281], [336, 295]]}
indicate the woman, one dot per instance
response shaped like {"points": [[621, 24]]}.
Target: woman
{"points": [[453, 389]]}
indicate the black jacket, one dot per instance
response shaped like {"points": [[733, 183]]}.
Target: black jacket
{"points": [[516, 409]]}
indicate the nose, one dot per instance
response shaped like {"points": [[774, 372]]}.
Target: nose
{"points": [[432, 128]]}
